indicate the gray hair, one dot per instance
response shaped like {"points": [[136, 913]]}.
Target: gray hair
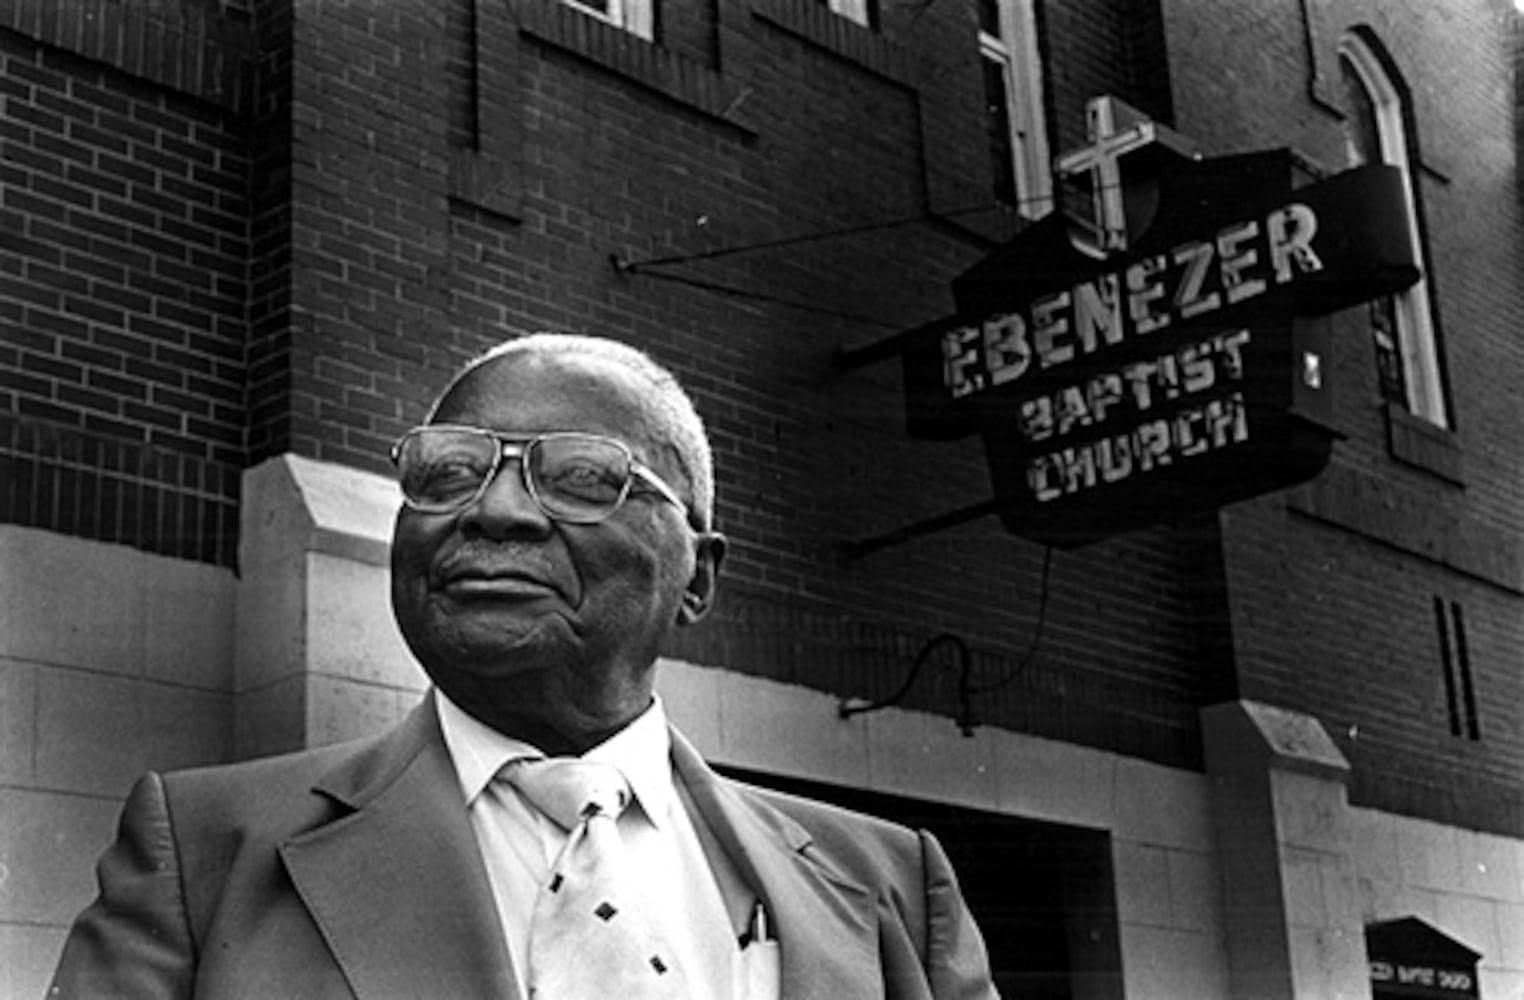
{"points": [[668, 408]]}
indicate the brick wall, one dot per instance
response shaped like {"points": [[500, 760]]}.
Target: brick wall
{"points": [[827, 141], [1333, 586], [423, 179], [1099, 47], [122, 293], [365, 325]]}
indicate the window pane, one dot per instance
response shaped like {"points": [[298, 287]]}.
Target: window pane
{"points": [[1360, 127], [989, 18], [1402, 327], [998, 124], [1383, 317], [857, 11]]}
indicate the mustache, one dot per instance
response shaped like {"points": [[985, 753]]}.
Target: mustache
{"points": [[501, 559]]}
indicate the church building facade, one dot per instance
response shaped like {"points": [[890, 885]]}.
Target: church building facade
{"points": [[1115, 407]]}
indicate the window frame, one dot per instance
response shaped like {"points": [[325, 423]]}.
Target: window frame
{"points": [[859, 12], [1015, 53], [635, 16], [1417, 330]]}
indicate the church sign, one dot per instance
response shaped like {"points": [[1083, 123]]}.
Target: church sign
{"points": [[1177, 373]]}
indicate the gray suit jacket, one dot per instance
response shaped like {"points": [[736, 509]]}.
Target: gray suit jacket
{"points": [[353, 871]]}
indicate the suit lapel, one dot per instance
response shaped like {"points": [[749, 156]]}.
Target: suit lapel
{"points": [[398, 887], [825, 922]]}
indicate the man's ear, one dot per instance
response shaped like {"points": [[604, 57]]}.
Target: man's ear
{"points": [[699, 597]]}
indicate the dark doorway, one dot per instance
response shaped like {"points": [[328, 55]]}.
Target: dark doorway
{"points": [[1041, 892]]}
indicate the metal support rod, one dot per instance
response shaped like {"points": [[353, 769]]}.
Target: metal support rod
{"points": [[924, 215], [854, 550], [645, 271]]}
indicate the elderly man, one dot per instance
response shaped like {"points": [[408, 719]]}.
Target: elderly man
{"points": [[534, 828]]}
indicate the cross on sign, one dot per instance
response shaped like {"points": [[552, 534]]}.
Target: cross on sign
{"points": [[1115, 129]]}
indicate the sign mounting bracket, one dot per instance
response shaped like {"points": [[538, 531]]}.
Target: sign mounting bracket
{"points": [[851, 551]]}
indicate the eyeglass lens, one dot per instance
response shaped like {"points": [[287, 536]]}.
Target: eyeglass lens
{"points": [[572, 476]]}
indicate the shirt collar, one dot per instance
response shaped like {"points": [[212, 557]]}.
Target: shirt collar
{"points": [[641, 750]]}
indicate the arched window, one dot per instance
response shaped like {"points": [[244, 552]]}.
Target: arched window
{"points": [[1402, 325]]}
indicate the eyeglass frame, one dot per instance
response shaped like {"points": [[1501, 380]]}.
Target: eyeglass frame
{"points": [[517, 446]]}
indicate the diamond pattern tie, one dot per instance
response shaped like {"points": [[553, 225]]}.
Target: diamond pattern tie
{"points": [[588, 939]]}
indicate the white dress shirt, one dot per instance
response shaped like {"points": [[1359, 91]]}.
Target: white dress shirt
{"points": [[668, 863]]}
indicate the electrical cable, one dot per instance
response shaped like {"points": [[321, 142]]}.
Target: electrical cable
{"points": [[1037, 630]]}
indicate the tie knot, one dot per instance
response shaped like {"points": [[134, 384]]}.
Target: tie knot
{"points": [[569, 791]]}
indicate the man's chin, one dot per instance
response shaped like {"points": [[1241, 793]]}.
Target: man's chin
{"points": [[491, 644]]}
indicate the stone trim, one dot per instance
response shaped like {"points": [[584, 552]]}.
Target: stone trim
{"points": [[319, 507]]}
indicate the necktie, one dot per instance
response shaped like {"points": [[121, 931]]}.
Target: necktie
{"points": [[588, 939]]}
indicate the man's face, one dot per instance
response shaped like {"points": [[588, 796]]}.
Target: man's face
{"points": [[526, 619]]}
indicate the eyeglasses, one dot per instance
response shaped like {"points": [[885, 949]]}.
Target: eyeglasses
{"points": [[574, 478]]}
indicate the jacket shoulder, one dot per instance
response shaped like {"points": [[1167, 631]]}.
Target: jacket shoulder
{"points": [[246, 808], [269, 788], [261, 783]]}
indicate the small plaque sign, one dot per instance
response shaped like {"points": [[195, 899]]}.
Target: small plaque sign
{"points": [[1410, 959]]}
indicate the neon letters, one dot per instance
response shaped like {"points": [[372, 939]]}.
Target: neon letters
{"points": [[1194, 279]]}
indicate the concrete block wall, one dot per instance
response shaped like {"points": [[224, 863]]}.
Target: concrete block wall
{"points": [[1468, 883], [1303, 873], [318, 657], [112, 661], [306, 652], [301, 649], [1166, 880], [1329, 869], [1280, 825]]}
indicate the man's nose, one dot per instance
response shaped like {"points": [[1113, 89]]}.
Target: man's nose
{"points": [[506, 507]]}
